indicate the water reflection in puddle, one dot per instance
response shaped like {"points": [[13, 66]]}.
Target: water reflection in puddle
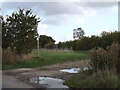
{"points": [[75, 70], [48, 82]]}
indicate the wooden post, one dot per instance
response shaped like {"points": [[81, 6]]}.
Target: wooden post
{"points": [[38, 44]]}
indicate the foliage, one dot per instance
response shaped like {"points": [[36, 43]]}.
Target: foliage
{"points": [[50, 46], [102, 59], [10, 57], [78, 33], [44, 40], [87, 43], [65, 45], [20, 31], [105, 72]]}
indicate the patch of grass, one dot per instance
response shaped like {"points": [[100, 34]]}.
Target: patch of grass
{"points": [[47, 57], [91, 80]]}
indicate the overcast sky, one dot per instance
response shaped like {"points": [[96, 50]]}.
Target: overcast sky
{"points": [[60, 18]]}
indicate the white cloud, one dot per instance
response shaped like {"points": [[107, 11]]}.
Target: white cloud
{"points": [[42, 28], [57, 12], [56, 19], [81, 20], [100, 31], [115, 8], [69, 37], [88, 12]]}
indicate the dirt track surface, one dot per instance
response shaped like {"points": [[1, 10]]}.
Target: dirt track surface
{"points": [[22, 75]]}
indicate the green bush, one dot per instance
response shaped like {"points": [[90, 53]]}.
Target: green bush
{"points": [[50, 46]]}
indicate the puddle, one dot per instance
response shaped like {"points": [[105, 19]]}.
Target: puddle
{"points": [[75, 70], [72, 70], [48, 82]]}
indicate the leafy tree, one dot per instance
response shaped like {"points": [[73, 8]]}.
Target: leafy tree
{"points": [[65, 45], [104, 33], [44, 40], [50, 46], [59, 45], [78, 33], [20, 31]]}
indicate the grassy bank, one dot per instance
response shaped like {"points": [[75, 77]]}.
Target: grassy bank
{"points": [[47, 57], [91, 80]]}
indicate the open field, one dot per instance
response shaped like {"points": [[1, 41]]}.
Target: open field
{"points": [[47, 57]]}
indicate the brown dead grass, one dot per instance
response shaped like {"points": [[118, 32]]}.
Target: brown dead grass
{"points": [[28, 57], [55, 50], [8, 57]]}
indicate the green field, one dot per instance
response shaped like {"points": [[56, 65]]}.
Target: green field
{"points": [[47, 57]]}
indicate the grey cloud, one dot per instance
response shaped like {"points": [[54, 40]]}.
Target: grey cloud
{"points": [[99, 4], [55, 12], [50, 8], [56, 20]]}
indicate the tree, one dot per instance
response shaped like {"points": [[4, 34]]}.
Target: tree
{"points": [[87, 43], [20, 31], [104, 33], [78, 33], [65, 45], [1, 18], [44, 40], [50, 46]]}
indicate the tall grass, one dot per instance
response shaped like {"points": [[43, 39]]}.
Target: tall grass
{"points": [[102, 59], [47, 57], [7, 56], [10, 57], [93, 80]]}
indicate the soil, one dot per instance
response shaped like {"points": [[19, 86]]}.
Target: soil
{"points": [[24, 74]]}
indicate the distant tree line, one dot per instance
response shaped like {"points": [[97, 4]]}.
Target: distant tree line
{"points": [[19, 33], [87, 43]]}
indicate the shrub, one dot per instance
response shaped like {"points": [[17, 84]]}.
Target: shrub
{"points": [[50, 46], [7, 56], [10, 57], [102, 59]]}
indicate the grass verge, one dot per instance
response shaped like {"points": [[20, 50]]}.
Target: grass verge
{"points": [[87, 79]]}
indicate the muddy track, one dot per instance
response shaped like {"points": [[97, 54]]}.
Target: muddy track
{"points": [[24, 74]]}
